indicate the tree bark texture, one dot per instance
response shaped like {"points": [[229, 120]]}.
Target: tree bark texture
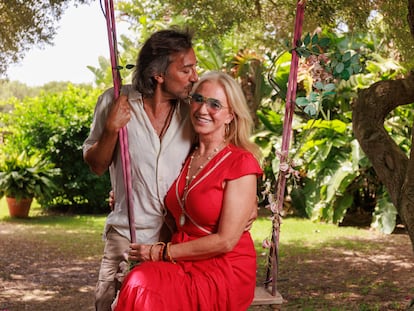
{"points": [[410, 16], [391, 164]]}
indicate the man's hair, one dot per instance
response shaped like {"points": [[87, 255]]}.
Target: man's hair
{"points": [[154, 57]]}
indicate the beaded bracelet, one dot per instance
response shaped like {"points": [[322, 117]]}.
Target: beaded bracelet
{"points": [[161, 250], [160, 253]]}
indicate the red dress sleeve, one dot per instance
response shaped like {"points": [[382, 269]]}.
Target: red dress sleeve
{"points": [[242, 163]]}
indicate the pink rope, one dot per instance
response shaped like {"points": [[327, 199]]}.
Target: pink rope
{"points": [[123, 134], [290, 97], [286, 135]]}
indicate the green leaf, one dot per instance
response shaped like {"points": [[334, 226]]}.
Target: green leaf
{"points": [[385, 215], [319, 85], [355, 59], [310, 110], [356, 68], [315, 38], [329, 87], [343, 173], [307, 40], [339, 67], [271, 120], [315, 49], [346, 56], [302, 101], [314, 97], [342, 203], [324, 42], [346, 74]]}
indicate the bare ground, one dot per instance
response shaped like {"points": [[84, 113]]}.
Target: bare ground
{"points": [[377, 275]]}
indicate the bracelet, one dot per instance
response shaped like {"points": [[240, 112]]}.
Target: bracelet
{"points": [[161, 250], [169, 257], [150, 252], [164, 253]]}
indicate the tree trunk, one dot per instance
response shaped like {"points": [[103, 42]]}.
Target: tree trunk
{"points": [[391, 164], [410, 16]]}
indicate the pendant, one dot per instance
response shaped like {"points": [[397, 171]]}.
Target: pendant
{"points": [[182, 220]]}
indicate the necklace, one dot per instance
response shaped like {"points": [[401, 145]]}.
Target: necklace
{"points": [[189, 179], [167, 122]]}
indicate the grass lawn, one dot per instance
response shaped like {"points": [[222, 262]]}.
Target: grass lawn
{"points": [[322, 266]]}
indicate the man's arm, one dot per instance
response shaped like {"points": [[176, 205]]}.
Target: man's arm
{"points": [[100, 155]]}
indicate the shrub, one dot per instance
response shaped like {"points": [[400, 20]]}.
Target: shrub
{"points": [[55, 125]]}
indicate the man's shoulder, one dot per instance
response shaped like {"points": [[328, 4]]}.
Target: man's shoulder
{"points": [[126, 89], [130, 91], [108, 95]]}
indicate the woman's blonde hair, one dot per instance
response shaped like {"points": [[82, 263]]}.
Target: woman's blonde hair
{"points": [[240, 128]]}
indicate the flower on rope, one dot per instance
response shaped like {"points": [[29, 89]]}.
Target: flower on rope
{"points": [[272, 202], [267, 189], [316, 67], [267, 193], [281, 154], [286, 166], [273, 206], [266, 243]]}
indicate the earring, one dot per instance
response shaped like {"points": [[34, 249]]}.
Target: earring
{"points": [[226, 130]]}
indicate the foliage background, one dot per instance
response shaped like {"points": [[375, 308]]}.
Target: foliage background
{"points": [[55, 125], [252, 42]]}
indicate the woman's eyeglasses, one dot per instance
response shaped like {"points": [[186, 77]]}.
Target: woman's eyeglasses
{"points": [[213, 105]]}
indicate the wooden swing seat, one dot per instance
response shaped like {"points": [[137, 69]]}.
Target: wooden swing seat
{"points": [[263, 296]]}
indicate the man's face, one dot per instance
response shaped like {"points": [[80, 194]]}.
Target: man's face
{"points": [[181, 75]]}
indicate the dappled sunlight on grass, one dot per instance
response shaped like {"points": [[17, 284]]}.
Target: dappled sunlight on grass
{"points": [[324, 265], [38, 216], [309, 234], [320, 264]]}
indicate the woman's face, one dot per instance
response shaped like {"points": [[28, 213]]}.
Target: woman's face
{"points": [[210, 110]]}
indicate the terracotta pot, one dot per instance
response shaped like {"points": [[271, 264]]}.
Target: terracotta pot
{"points": [[19, 208]]}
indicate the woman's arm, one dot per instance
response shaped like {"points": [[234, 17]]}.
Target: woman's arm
{"points": [[239, 197]]}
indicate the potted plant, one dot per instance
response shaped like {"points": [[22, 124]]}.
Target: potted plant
{"points": [[23, 178]]}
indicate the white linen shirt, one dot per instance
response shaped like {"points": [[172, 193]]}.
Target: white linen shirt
{"points": [[155, 164]]}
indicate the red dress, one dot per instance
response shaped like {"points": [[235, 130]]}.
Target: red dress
{"points": [[225, 282]]}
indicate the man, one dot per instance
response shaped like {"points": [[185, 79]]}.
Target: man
{"points": [[159, 135]]}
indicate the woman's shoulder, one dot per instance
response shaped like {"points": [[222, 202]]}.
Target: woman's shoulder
{"points": [[238, 152], [243, 160]]}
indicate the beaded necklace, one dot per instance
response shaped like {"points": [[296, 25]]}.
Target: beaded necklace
{"points": [[189, 179]]}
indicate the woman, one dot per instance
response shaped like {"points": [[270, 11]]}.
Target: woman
{"points": [[210, 263]]}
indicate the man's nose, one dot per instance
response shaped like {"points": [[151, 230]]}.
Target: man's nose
{"points": [[194, 76]]}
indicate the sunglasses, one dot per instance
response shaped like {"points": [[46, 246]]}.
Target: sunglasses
{"points": [[213, 105]]}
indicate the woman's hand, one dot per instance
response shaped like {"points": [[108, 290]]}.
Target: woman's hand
{"points": [[252, 218]]}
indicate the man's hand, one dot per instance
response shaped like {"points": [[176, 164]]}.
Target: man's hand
{"points": [[111, 200], [144, 252], [99, 156], [119, 115]]}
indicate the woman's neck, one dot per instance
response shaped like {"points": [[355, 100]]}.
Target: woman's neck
{"points": [[208, 147]]}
